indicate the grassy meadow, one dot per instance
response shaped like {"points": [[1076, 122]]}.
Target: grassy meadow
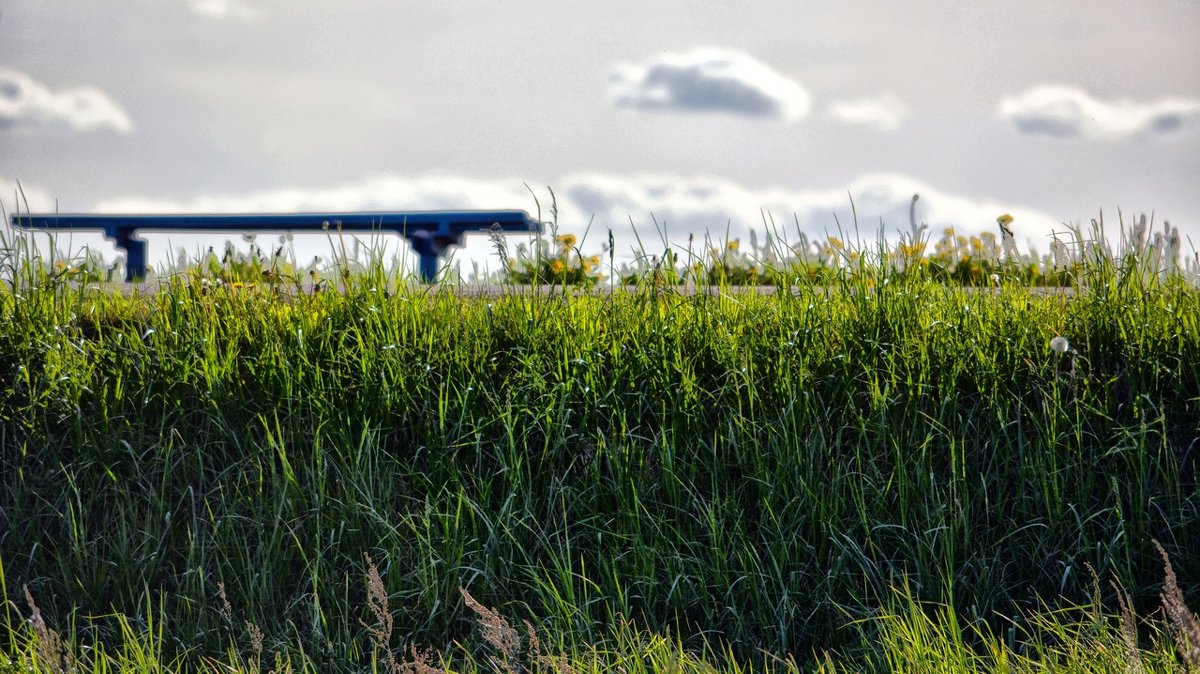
{"points": [[899, 460]]}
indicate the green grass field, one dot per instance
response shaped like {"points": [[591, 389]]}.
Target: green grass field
{"points": [[880, 470]]}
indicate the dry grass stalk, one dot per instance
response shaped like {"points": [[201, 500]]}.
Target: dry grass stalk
{"points": [[507, 641], [498, 633], [418, 663], [1185, 628], [253, 632], [52, 650], [226, 607], [1129, 633], [256, 641], [559, 665], [377, 601]]}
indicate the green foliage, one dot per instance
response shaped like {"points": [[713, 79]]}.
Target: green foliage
{"points": [[747, 472]]}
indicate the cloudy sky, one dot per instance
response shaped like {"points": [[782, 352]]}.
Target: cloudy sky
{"points": [[698, 116]]}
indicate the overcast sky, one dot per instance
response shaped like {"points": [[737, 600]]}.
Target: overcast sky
{"points": [[701, 116]]}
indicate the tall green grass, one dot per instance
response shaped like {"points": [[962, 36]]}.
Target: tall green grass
{"points": [[214, 474]]}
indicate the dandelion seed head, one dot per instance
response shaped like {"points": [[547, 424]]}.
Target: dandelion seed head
{"points": [[1059, 344]]}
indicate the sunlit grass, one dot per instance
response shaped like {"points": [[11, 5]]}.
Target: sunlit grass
{"points": [[882, 471]]}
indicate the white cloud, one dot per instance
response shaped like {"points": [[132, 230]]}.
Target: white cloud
{"points": [[883, 112], [25, 102], [220, 9], [709, 80], [378, 193], [1068, 112]]}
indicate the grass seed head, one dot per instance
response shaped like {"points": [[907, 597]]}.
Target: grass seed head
{"points": [[1185, 628]]}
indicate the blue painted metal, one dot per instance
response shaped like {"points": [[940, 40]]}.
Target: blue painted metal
{"points": [[429, 233]]}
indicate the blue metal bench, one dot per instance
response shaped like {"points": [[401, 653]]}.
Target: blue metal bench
{"points": [[429, 233]]}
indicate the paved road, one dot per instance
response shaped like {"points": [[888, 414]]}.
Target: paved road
{"points": [[491, 290]]}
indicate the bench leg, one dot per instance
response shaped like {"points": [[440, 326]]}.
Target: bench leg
{"points": [[135, 254], [429, 247], [429, 267]]}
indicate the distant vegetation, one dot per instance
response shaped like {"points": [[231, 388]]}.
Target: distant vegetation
{"points": [[954, 258], [985, 259], [261, 466]]}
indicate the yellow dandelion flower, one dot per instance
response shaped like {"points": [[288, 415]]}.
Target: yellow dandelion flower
{"points": [[836, 243], [557, 266], [566, 240], [732, 245], [1004, 219]]}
